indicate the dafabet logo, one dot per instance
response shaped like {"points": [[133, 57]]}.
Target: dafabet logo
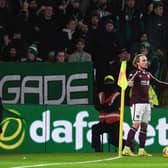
{"points": [[13, 133]]}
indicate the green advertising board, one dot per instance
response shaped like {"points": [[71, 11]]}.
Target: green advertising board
{"points": [[46, 83], [67, 128]]}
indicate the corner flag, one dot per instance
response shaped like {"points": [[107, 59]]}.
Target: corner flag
{"points": [[123, 83], [122, 79]]}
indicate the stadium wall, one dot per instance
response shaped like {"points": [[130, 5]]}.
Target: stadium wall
{"points": [[67, 128]]}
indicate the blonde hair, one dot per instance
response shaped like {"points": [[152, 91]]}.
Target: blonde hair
{"points": [[136, 59]]}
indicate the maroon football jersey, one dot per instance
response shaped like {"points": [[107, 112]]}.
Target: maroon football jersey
{"points": [[141, 85]]}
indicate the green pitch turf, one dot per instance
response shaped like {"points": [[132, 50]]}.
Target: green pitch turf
{"points": [[80, 160]]}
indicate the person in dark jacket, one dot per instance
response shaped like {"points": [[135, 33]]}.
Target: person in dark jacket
{"points": [[107, 46], [108, 104], [156, 27]]}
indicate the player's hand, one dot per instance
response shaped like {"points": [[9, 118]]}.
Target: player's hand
{"points": [[130, 83]]}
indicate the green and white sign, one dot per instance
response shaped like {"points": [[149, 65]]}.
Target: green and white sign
{"points": [[67, 128], [46, 83]]}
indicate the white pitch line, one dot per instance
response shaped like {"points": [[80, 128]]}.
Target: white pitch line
{"points": [[67, 163]]}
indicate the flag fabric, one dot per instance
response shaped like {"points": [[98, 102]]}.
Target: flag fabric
{"points": [[122, 79], [123, 83]]}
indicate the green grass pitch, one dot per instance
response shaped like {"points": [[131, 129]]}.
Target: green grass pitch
{"points": [[80, 160]]}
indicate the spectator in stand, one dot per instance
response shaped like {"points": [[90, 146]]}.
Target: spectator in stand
{"points": [[157, 65], [15, 41], [130, 23], [14, 6], [162, 65], [30, 11], [116, 6], [94, 23], [80, 55], [114, 67], [83, 30], [68, 36], [135, 46], [32, 54], [18, 23], [149, 9], [156, 27], [84, 5], [56, 57], [4, 19], [5, 16], [19, 41], [73, 11], [87, 34], [60, 7], [156, 59], [10, 54], [106, 45], [161, 72], [51, 56], [102, 7], [145, 48], [61, 56], [165, 2], [48, 30]]}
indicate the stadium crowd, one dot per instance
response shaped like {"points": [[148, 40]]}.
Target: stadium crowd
{"points": [[98, 31]]}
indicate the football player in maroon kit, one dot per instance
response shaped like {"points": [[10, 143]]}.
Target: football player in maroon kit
{"points": [[140, 108]]}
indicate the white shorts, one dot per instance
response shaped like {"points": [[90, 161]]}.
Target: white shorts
{"points": [[141, 112]]}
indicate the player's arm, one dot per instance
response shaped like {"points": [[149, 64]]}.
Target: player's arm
{"points": [[158, 82], [132, 77]]}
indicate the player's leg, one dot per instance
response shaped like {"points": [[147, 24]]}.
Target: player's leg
{"points": [[136, 119], [143, 131], [142, 135], [142, 140], [128, 148]]}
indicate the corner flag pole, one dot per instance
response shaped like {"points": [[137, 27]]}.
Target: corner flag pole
{"points": [[123, 83]]}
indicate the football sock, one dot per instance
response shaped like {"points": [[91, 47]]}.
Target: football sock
{"points": [[130, 136], [142, 138]]}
